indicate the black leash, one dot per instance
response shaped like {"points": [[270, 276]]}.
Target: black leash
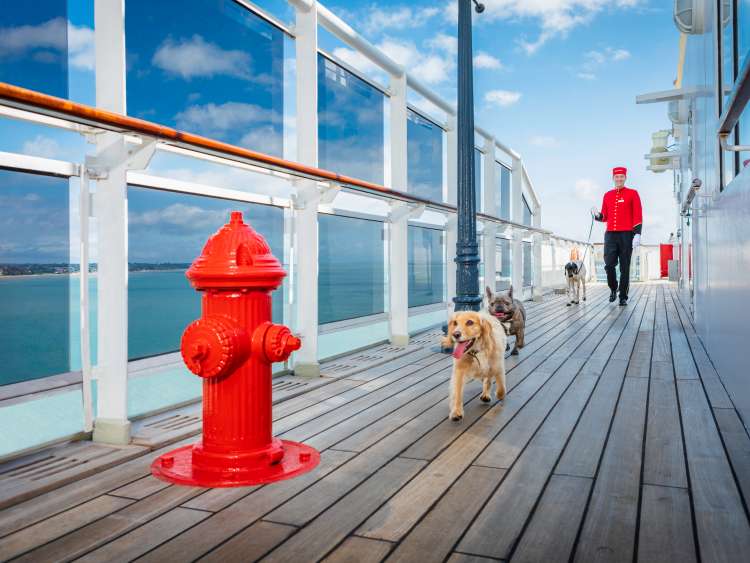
{"points": [[588, 241]]}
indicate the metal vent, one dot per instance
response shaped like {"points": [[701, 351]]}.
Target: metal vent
{"points": [[287, 385], [365, 358], [42, 468], [174, 422], [338, 368]]}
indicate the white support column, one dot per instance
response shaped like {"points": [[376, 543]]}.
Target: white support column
{"points": [[538, 289], [516, 215], [490, 207], [111, 210], [306, 205], [451, 226], [398, 277]]}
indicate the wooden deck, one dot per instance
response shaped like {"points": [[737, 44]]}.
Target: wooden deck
{"points": [[616, 442]]}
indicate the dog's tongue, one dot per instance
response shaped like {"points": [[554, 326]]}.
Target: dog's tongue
{"points": [[460, 349]]}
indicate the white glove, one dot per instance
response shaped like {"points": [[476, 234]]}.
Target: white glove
{"points": [[594, 212], [636, 242]]}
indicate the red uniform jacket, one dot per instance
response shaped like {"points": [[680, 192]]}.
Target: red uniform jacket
{"points": [[621, 209]]}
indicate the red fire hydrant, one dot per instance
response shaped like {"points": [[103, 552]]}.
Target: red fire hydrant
{"points": [[232, 347]]}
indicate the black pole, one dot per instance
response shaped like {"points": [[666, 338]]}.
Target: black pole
{"points": [[467, 255]]}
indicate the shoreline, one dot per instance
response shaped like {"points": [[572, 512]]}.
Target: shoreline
{"points": [[77, 274]]}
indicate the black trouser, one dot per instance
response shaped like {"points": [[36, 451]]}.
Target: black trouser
{"points": [[618, 246]]}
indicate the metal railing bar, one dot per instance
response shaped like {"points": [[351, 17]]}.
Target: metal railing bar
{"points": [[737, 101], [38, 102]]}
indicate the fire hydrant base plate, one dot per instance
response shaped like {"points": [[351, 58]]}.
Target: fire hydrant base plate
{"points": [[177, 467]]}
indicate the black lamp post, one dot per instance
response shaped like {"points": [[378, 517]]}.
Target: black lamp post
{"points": [[467, 296]]}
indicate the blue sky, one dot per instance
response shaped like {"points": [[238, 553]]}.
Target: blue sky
{"points": [[556, 80]]}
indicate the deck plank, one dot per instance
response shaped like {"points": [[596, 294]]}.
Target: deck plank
{"points": [[723, 529], [146, 537], [666, 530], [430, 446], [434, 537], [250, 544], [111, 526], [552, 530], [329, 529], [359, 550], [397, 516], [497, 528], [664, 459], [609, 527], [553, 471], [27, 539], [220, 527], [715, 390], [737, 443]]}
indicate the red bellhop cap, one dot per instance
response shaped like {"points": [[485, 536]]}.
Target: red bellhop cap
{"points": [[619, 170]]}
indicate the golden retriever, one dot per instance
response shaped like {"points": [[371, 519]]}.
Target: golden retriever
{"points": [[478, 343]]}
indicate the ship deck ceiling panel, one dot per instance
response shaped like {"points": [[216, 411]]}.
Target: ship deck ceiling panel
{"points": [[616, 442]]}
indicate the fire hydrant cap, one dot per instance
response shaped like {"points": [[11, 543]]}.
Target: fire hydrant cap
{"points": [[236, 256]]}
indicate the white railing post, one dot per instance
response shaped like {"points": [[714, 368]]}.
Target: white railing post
{"points": [[490, 206], [451, 225], [306, 205], [538, 289], [111, 210], [398, 277], [516, 215]]}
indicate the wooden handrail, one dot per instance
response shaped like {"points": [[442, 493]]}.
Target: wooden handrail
{"points": [[31, 100]]}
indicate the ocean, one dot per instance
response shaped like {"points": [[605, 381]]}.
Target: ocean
{"points": [[40, 316]]}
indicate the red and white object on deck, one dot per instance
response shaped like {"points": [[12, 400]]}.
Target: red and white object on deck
{"points": [[232, 347]]}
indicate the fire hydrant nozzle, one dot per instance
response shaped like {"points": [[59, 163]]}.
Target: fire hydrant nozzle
{"points": [[231, 347]]}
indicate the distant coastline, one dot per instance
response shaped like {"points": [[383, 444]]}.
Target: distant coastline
{"points": [[20, 271]]}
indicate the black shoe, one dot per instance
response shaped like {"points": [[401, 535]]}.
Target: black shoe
{"points": [[623, 301], [612, 296]]}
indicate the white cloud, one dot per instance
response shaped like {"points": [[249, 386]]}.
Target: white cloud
{"points": [[596, 60], [429, 67], [81, 47], [502, 98], [196, 57], [544, 141], [444, 42], [402, 17], [55, 35], [48, 35], [42, 146], [587, 190], [620, 54], [214, 120], [555, 17], [485, 60]]}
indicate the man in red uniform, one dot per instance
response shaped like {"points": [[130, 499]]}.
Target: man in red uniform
{"points": [[621, 210]]}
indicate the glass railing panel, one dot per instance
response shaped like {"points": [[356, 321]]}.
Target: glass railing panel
{"points": [[426, 266], [213, 68], [351, 268], [502, 264], [350, 123], [36, 276], [502, 193], [527, 263], [33, 51], [424, 157], [166, 232], [526, 212]]}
